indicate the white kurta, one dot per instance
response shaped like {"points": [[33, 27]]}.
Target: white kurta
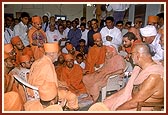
{"points": [[84, 35], [156, 48], [21, 31], [52, 36], [8, 34], [116, 35]]}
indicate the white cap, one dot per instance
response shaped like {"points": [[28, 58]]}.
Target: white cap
{"points": [[148, 30]]}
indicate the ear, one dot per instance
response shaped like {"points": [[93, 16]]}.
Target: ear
{"points": [[132, 41]]}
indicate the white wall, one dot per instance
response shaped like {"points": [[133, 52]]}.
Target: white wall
{"points": [[70, 10]]}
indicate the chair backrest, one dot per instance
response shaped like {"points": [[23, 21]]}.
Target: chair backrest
{"points": [[23, 73], [22, 78]]}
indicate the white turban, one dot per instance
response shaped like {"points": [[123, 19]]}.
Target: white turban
{"points": [[149, 30]]}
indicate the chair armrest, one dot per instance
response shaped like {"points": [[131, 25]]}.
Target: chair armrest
{"points": [[157, 105], [24, 82]]}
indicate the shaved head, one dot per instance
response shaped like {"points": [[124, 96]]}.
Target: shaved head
{"points": [[142, 48], [140, 54]]}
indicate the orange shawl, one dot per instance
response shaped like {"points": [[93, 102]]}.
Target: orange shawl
{"points": [[73, 78], [96, 55]]}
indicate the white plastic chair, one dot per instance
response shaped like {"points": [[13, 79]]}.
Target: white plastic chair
{"points": [[114, 83], [22, 78]]}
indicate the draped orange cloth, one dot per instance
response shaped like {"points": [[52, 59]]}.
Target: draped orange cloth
{"points": [[59, 70], [12, 101], [73, 78], [33, 105], [137, 77], [96, 56], [42, 70], [32, 35], [95, 81], [70, 98]]}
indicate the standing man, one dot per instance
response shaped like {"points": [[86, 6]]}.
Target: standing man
{"points": [[74, 34], [21, 29], [94, 29], [37, 37], [119, 10], [160, 20], [153, 20], [111, 34]]}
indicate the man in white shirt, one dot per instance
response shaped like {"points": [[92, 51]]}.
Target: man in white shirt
{"points": [[152, 38], [52, 34], [111, 34], [21, 28], [8, 34], [84, 32], [45, 24]]}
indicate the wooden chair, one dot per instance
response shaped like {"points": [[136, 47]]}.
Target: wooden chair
{"points": [[157, 106]]}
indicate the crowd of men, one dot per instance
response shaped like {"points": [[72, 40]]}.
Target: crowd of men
{"points": [[69, 62]]}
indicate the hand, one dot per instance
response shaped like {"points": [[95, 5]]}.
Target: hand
{"points": [[109, 38]]}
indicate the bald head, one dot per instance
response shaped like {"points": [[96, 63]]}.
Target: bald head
{"points": [[141, 48]]}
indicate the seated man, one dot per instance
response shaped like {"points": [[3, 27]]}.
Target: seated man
{"points": [[82, 48], [96, 55], [70, 49], [129, 39], [80, 60], [72, 74], [19, 48], [114, 64], [24, 67], [145, 85], [152, 38]]}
